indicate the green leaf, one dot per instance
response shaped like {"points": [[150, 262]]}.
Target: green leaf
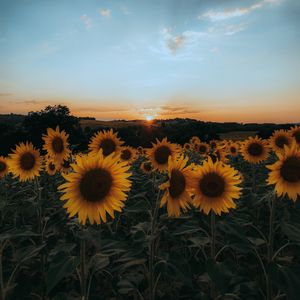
{"points": [[292, 232], [60, 267]]}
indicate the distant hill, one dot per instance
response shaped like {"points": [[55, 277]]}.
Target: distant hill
{"points": [[11, 118]]}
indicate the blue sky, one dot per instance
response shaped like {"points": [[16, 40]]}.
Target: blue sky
{"points": [[210, 60]]}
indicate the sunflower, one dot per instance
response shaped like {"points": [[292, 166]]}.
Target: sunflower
{"points": [[146, 167], [25, 162], [160, 152], [279, 139], [219, 154], [96, 187], [65, 166], [3, 166], [187, 146], [213, 144], [214, 186], [128, 154], [195, 140], [106, 140], [233, 148], [203, 148], [177, 189], [285, 173], [50, 166], [295, 133], [255, 150], [140, 150], [56, 144]]}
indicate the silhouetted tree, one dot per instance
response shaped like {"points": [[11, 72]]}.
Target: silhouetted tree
{"points": [[36, 124]]}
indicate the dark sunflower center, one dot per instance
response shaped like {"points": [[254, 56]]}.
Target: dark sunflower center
{"points": [[202, 149], [27, 161], [296, 135], [290, 170], [232, 149], [162, 154], [281, 141], [213, 157], [255, 149], [58, 145], [187, 146], [212, 185], [177, 184], [2, 166], [147, 166], [108, 146], [51, 166], [66, 164], [95, 185], [126, 154]]}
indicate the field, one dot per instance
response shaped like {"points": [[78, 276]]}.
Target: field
{"points": [[237, 135], [149, 233], [110, 124]]}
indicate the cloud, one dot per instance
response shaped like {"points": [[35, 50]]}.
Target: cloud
{"points": [[6, 94], [177, 110], [27, 102], [105, 12], [102, 109], [87, 21], [222, 15], [175, 42], [167, 111], [223, 29]]}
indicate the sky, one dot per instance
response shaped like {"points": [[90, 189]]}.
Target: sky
{"points": [[212, 60]]}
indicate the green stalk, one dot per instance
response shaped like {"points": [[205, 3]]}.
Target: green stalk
{"points": [[41, 233], [253, 178], [213, 250], [154, 217], [270, 246], [83, 265], [2, 288]]}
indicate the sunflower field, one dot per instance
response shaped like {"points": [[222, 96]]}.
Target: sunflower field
{"points": [[203, 220]]}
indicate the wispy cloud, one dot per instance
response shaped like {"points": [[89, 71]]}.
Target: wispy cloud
{"points": [[6, 94], [221, 15], [167, 111], [29, 102], [87, 21], [175, 42], [105, 12], [225, 29], [102, 109]]}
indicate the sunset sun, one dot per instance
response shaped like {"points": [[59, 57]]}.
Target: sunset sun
{"points": [[149, 118]]}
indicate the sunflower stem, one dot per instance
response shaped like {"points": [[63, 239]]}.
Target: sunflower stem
{"points": [[270, 246], [83, 264], [213, 250], [2, 285], [152, 243], [253, 178], [41, 233]]}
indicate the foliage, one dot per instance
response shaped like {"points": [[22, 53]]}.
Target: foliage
{"points": [[40, 246]]}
